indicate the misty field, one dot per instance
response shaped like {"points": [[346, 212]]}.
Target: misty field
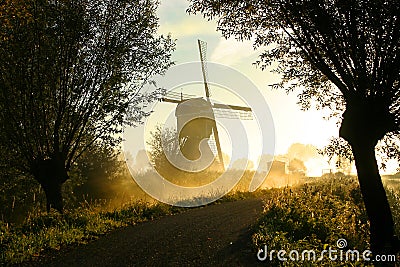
{"points": [[311, 213]]}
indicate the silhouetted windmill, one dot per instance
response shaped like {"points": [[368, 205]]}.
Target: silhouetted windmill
{"points": [[196, 115]]}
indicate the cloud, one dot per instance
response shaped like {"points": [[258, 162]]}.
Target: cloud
{"points": [[231, 52], [174, 19]]}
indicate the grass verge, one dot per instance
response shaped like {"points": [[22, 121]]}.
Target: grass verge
{"points": [[314, 216], [46, 232]]}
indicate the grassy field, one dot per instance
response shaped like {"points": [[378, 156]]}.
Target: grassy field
{"points": [[46, 232], [43, 232], [311, 215], [314, 216]]}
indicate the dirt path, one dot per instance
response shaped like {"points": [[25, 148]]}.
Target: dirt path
{"points": [[215, 235]]}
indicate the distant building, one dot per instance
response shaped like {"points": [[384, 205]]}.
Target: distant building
{"points": [[277, 175]]}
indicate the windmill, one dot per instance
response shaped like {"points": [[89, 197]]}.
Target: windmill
{"points": [[196, 116]]}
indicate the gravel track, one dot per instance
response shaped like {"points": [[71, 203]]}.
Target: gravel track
{"points": [[215, 235]]}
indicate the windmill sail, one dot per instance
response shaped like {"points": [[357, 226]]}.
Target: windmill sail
{"points": [[203, 50], [203, 59], [233, 114]]}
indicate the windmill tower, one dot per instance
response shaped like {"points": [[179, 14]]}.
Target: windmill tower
{"points": [[196, 116]]}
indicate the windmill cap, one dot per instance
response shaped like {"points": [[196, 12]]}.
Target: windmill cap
{"points": [[195, 106]]}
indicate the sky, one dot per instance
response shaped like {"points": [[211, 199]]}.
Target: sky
{"points": [[291, 125]]}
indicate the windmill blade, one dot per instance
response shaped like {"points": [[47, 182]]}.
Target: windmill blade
{"points": [[230, 107], [175, 97], [170, 100], [232, 112], [203, 59], [218, 145]]}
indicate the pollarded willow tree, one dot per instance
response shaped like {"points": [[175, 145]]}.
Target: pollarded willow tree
{"points": [[345, 55], [71, 74]]}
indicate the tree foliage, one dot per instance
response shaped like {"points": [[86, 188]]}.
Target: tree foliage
{"points": [[71, 74], [339, 151], [334, 51], [297, 166], [163, 151], [163, 147]]}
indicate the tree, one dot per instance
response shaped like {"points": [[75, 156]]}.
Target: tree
{"points": [[345, 55], [164, 156], [71, 74], [95, 173], [339, 151], [297, 166], [164, 147], [141, 161]]}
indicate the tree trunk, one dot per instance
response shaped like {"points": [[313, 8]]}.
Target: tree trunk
{"points": [[363, 125], [51, 174], [375, 200], [54, 200]]}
